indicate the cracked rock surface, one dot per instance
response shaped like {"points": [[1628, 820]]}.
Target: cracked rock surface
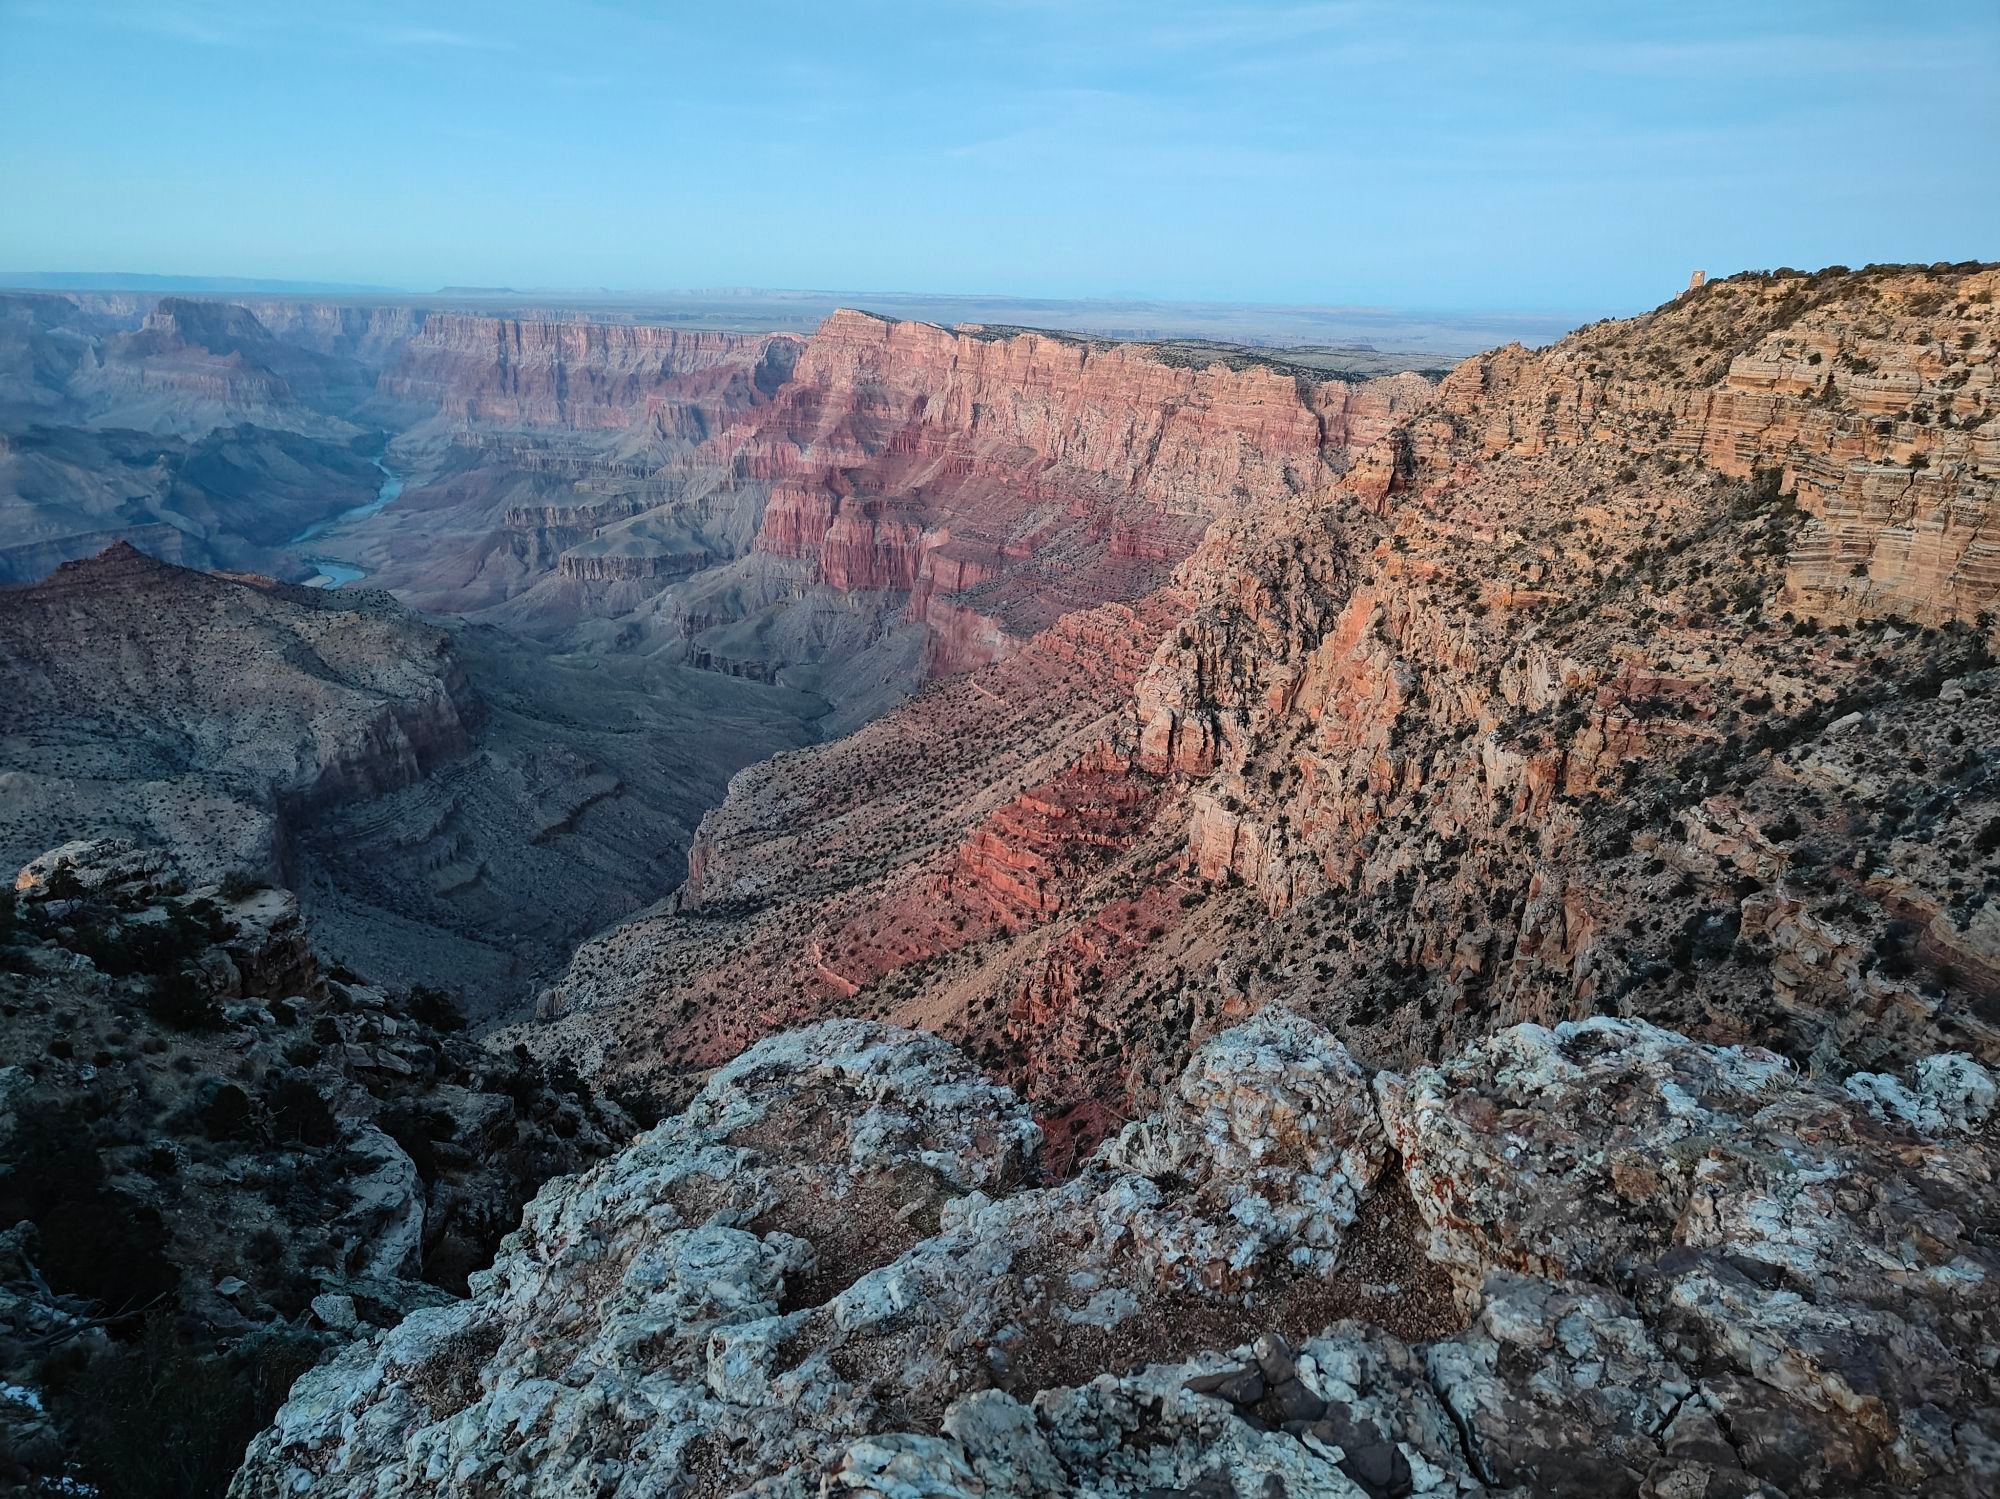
{"points": [[1595, 1260]]}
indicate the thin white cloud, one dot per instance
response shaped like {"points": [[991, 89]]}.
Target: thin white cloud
{"points": [[1774, 54], [224, 23], [404, 36]]}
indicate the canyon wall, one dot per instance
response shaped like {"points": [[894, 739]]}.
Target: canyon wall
{"points": [[1031, 474], [1541, 701], [372, 336], [878, 505], [195, 364], [577, 375], [1866, 397], [932, 497]]}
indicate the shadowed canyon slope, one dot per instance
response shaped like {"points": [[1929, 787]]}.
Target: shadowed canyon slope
{"points": [[1648, 673], [449, 810]]}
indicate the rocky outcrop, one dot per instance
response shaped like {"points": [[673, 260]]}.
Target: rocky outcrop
{"points": [[1023, 858], [836, 1273], [626, 567], [1825, 1277]]}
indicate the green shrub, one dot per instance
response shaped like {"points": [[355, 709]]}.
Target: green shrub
{"points": [[64, 885], [298, 1113], [435, 1008], [240, 884], [180, 1001]]}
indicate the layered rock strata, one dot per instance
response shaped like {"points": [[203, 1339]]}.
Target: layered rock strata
{"points": [[1541, 701], [1000, 482], [510, 372], [953, 490]]}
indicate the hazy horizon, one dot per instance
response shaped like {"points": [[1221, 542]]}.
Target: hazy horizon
{"points": [[1420, 338], [1354, 154], [60, 279]]}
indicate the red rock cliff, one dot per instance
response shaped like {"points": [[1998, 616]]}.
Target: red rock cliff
{"points": [[1005, 481], [513, 373]]}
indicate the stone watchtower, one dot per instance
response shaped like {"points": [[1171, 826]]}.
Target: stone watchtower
{"points": [[1695, 281]]}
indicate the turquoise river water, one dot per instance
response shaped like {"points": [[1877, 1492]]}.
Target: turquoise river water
{"points": [[332, 571]]}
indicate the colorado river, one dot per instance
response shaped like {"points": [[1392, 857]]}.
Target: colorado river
{"points": [[332, 571]]}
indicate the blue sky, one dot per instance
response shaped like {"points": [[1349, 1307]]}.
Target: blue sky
{"points": [[1575, 158]]}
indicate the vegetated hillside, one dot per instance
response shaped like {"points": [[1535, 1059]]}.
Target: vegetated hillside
{"points": [[221, 1159], [1648, 674]]}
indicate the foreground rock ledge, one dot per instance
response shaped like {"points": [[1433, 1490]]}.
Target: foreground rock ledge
{"points": [[1595, 1260]]}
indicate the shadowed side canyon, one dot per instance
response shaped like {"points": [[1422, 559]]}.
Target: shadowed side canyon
{"points": [[450, 810]]}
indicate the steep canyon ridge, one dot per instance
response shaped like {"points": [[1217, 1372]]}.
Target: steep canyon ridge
{"points": [[1195, 919]]}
